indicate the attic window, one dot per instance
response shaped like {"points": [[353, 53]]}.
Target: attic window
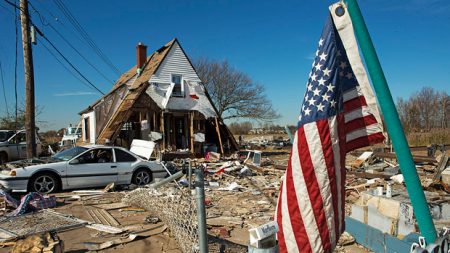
{"points": [[178, 89]]}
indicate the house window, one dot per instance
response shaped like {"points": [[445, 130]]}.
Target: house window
{"points": [[178, 89]]}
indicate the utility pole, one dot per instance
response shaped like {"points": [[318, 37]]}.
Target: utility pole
{"points": [[30, 126]]}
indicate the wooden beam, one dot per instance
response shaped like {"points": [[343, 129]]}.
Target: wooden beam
{"points": [[154, 121], [191, 127], [161, 127], [218, 134]]}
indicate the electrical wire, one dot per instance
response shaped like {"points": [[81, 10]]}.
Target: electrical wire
{"points": [[43, 20], [64, 66], [55, 48], [15, 62], [70, 64], [66, 12], [4, 90]]}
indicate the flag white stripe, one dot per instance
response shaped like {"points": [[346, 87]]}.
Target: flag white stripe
{"points": [[306, 210], [333, 125], [359, 112], [368, 130], [351, 94], [320, 167], [289, 237], [345, 30]]}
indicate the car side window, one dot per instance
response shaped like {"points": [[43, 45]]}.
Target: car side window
{"points": [[122, 156], [19, 138], [101, 155]]}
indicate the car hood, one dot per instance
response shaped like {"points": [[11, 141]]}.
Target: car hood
{"points": [[33, 164]]}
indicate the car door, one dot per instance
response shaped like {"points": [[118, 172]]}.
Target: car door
{"points": [[22, 143], [124, 163], [17, 147], [92, 168]]}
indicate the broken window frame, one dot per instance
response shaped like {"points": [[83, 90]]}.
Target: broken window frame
{"points": [[178, 89]]}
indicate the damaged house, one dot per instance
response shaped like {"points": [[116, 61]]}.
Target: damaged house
{"points": [[161, 99]]}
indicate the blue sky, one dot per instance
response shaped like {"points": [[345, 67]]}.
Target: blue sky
{"points": [[272, 41]]}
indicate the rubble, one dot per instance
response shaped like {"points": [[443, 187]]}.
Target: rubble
{"points": [[241, 194]]}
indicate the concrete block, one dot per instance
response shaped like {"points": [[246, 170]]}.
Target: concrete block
{"points": [[386, 206], [445, 211], [406, 223], [359, 213], [381, 222]]}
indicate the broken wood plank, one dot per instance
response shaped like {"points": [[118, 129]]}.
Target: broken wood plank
{"points": [[369, 175], [416, 158], [218, 134]]}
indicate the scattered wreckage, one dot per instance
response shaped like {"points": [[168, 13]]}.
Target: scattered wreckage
{"points": [[240, 196]]}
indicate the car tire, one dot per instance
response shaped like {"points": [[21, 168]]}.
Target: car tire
{"points": [[142, 176], [44, 183], [3, 158]]}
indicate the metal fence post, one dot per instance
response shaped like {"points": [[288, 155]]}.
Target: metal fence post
{"points": [[201, 211]]}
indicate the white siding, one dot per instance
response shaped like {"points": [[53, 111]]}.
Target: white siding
{"points": [[176, 62], [92, 137]]}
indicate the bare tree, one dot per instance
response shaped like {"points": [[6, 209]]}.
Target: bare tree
{"points": [[424, 110], [234, 93], [10, 122], [240, 128], [444, 109]]}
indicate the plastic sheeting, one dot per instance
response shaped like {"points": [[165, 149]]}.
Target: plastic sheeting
{"points": [[194, 98]]}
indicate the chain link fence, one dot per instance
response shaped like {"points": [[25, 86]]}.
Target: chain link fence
{"points": [[176, 208]]}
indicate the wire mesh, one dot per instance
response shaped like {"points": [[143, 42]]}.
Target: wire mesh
{"points": [[176, 208]]}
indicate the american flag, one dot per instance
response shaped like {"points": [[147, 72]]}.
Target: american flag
{"points": [[334, 119]]}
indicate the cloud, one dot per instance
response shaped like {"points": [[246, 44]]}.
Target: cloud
{"points": [[310, 57], [78, 93]]}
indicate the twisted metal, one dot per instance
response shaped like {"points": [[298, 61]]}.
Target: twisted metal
{"points": [[175, 207]]}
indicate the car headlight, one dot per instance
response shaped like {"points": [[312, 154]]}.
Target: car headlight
{"points": [[12, 173]]}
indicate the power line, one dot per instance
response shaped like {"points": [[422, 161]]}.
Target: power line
{"points": [[8, 10], [64, 66], [68, 62], [4, 90], [71, 45], [85, 35], [55, 48]]}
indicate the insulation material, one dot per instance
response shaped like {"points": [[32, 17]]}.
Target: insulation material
{"points": [[199, 102], [107, 107], [142, 148]]}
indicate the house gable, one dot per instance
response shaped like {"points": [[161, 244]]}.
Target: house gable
{"points": [[176, 62], [193, 95]]}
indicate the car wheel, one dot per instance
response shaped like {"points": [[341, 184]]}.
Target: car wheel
{"points": [[3, 158], [44, 183], [142, 177]]}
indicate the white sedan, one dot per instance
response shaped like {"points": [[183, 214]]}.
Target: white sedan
{"points": [[82, 167]]}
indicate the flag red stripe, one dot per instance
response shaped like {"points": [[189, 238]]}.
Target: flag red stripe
{"points": [[354, 104], [280, 234], [360, 123], [364, 141], [313, 189], [298, 227], [342, 148], [327, 148]]}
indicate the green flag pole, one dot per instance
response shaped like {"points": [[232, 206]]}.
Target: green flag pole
{"points": [[393, 124]]}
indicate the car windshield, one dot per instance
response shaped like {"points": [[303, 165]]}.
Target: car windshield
{"points": [[4, 135], [69, 153]]}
